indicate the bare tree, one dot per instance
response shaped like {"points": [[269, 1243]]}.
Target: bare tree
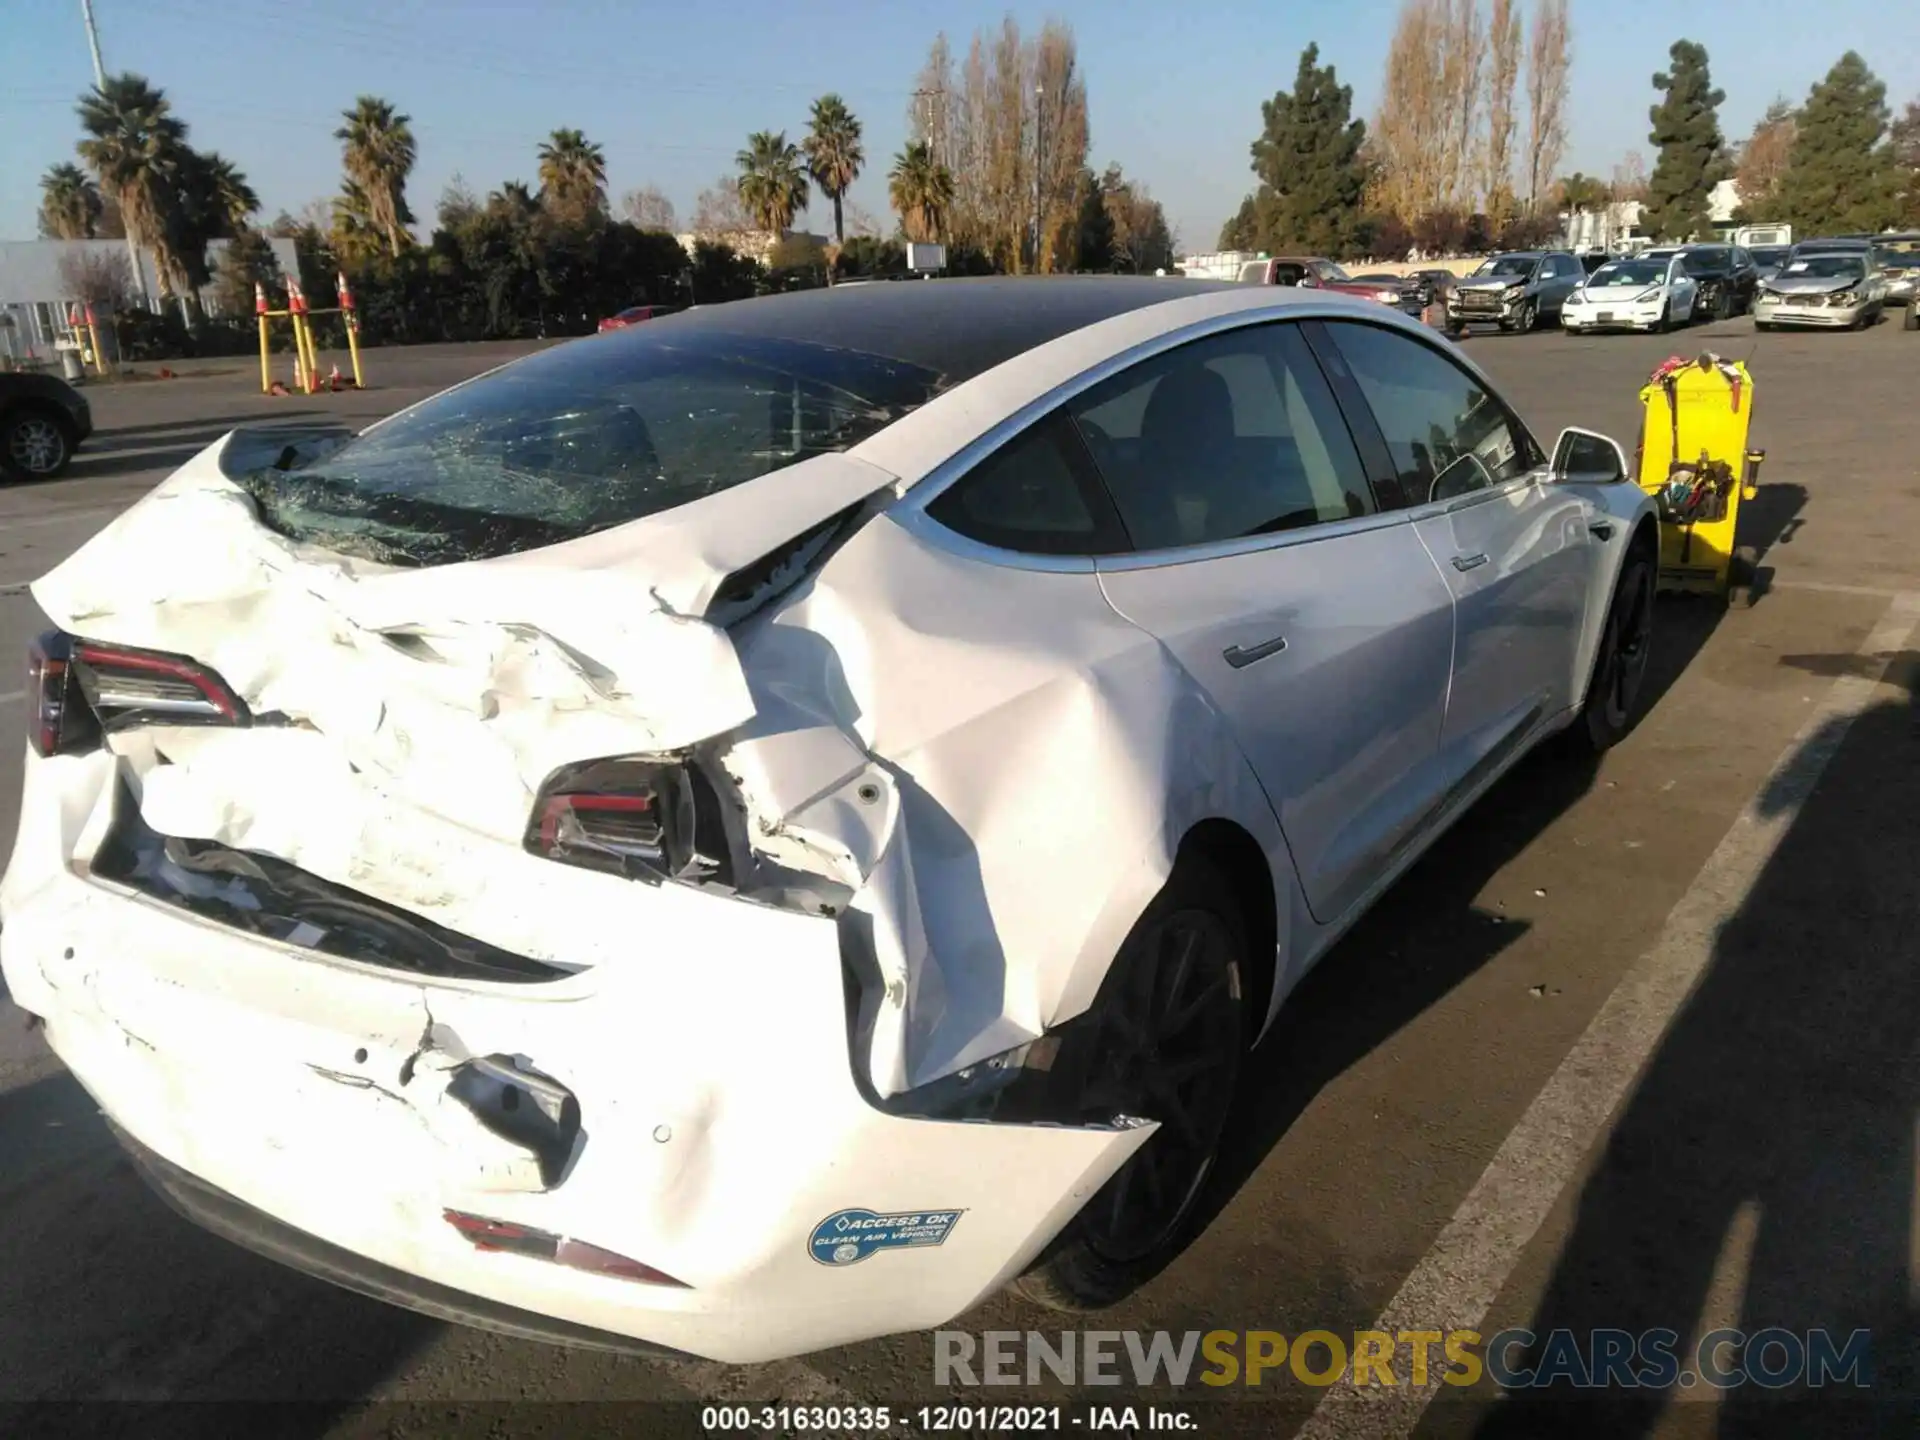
{"points": [[1630, 177], [1549, 58], [862, 221], [650, 209], [1463, 66], [1503, 77], [1764, 156], [1411, 130], [719, 211], [99, 278], [1011, 129]]}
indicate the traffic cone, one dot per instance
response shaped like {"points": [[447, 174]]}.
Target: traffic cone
{"points": [[333, 380], [259, 298]]}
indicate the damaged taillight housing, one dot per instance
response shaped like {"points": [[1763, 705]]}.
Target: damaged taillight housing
{"points": [[80, 689], [641, 818], [59, 720]]}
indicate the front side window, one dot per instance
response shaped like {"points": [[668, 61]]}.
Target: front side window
{"points": [[1231, 436], [1448, 436], [581, 438]]}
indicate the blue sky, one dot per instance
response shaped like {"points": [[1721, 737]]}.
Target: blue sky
{"points": [[671, 90]]}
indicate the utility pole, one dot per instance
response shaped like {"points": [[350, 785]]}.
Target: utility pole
{"points": [[100, 83]]}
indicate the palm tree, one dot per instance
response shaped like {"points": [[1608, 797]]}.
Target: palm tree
{"points": [[70, 204], [379, 152], [134, 145], [773, 186], [233, 200], [921, 189], [834, 155], [573, 174]]}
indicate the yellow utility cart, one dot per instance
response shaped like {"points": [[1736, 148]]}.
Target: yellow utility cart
{"points": [[1694, 461]]}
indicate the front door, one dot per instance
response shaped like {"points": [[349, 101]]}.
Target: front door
{"points": [[1514, 550]]}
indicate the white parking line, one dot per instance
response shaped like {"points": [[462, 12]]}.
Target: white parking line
{"points": [[1457, 1281], [13, 695]]}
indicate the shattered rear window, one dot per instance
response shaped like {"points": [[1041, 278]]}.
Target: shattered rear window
{"points": [[581, 438]]}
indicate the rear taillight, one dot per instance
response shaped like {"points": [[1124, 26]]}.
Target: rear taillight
{"points": [[59, 721], [506, 1237], [639, 818], [80, 688], [128, 688]]}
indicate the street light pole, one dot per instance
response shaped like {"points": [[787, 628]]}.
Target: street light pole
{"points": [[100, 83]]}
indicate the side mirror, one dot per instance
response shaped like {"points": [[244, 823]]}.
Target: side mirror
{"points": [[1584, 457]]}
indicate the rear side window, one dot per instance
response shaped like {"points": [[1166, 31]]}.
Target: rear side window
{"points": [[584, 437], [1446, 433], [1227, 437], [1035, 495]]}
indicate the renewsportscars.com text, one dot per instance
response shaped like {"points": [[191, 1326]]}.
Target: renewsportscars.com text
{"points": [[1511, 1359]]}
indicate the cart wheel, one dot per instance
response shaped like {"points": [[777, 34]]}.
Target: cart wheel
{"points": [[1743, 573]]}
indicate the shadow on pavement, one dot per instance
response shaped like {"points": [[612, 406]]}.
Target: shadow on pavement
{"points": [[114, 1304], [1425, 936], [1762, 1171]]}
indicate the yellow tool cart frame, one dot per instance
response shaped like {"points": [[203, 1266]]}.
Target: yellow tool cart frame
{"points": [[1694, 460]]}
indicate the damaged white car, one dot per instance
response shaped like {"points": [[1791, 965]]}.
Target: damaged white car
{"points": [[761, 829]]}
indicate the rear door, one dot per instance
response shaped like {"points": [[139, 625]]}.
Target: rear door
{"points": [[1317, 622], [1516, 551]]}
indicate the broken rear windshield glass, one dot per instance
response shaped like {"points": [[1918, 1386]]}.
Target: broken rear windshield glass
{"points": [[583, 437]]}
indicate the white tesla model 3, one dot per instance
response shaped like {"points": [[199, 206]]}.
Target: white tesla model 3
{"points": [[758, 829]]}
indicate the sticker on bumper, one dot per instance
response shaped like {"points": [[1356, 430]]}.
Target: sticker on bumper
{"points": [[849, 1236]]}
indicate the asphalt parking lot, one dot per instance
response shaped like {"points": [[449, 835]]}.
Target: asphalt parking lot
{"points": [[1714, 928]]}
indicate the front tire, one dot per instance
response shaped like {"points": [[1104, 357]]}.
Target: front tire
{"points": [[1163, 1041], [1912, 322], [1527, 317], [1620, 662], [1665, 322], [34, 444]]}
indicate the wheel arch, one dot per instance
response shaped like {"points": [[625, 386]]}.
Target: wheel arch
{"points": [[1231, 850]]}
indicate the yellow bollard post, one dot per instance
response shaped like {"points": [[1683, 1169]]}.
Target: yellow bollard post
{"points": [[93, 333], [260, 313], [352, 321]]}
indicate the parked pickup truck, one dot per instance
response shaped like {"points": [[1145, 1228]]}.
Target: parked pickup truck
{"points": [[1313, 273]]}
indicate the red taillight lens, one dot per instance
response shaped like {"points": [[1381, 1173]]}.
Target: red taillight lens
{"points": [[639, 818], [128, 687], [59, 721], [508, 1238]]}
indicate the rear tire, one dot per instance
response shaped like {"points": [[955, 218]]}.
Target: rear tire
{"points": [[1164, 1040], [1620, 662]]}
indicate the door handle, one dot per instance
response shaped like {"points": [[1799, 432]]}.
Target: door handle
{"points": [[1240, 658], [1601, 529], [1468, 562]]}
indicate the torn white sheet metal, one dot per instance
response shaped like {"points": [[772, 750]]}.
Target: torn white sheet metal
{"points": [[1011, 808], [999, 809]]}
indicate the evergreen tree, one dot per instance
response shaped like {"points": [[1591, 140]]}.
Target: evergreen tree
{"points": [[1312, 176], [1842, 175], [1692, 160]]}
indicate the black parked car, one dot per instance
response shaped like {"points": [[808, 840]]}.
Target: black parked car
{"points": [[42, 422], [1727, 276]]}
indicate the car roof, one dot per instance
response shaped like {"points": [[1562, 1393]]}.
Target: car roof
{"points": [[957, 328]]}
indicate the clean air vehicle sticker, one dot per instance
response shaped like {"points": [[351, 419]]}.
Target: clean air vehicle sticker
{"points": [[849, 1236]]}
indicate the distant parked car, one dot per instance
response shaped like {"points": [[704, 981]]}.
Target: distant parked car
{"points": [[1826, 289], [1727, 277], [1903, 277], [1517, 290], [1633, 294], [1767, 260], [42, 422], [1406, 293], [632, 315], [1313, 273]]}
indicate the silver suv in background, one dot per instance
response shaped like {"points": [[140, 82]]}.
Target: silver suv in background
{"points": [[1517, 290]]}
